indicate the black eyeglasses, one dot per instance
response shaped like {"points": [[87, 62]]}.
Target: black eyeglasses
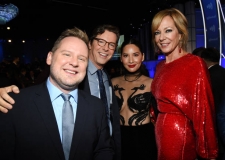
{"points": [[102, 43]]}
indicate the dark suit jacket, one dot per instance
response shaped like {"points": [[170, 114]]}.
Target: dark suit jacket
{"points": [[114, 115], [221, 123], [30, 132], [217, 77]]}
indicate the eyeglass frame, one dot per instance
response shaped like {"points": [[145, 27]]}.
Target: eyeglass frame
{"points": [[99, 39]]}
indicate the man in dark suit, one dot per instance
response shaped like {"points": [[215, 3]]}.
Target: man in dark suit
{"points": [[102, 45], [221, 123], [211, 56], [34, 129]]}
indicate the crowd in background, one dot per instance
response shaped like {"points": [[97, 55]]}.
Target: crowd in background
{"points": [[22, 74], [16, 72]]}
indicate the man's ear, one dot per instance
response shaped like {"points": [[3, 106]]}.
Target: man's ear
{"points": [[89, 45], [49, 58]]}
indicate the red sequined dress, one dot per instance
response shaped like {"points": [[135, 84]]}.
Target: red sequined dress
{"points": [[185, 126]]}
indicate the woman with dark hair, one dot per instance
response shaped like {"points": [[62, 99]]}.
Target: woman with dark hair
{"points": [[135, 101]]}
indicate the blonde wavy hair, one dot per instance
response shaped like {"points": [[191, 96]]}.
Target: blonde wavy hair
{"points": [[180, 22]]}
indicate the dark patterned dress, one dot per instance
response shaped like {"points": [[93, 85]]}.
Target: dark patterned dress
{"points": [[138, 142]]}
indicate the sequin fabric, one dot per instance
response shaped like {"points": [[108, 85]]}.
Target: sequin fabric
{"points": [[185, 126]]}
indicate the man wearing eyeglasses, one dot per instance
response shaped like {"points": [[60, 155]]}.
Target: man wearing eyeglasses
{"points": [[102, 45]]}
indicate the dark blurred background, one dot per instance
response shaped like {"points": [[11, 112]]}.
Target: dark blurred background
{"points": [[39, 22]]}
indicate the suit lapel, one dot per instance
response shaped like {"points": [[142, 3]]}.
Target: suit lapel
{"points": [[84, 85], [44, 106], [111, 96], [80, 122]]}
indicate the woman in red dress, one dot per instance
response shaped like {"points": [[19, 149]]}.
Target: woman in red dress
{"points": [[185, 127]]}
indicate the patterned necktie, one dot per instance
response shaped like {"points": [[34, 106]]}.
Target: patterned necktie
{"points": [[103, 93], [67, 125]]}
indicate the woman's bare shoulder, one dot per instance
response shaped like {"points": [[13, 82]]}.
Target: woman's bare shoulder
{"points": [[117, 79], [147, 79]]}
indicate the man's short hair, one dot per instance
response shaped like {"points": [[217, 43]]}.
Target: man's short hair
{"points": [[102, 28], [211, 54], [198, 51]]}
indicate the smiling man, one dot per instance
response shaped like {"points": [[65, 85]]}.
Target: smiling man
{"points": [[45, 125], [102, 45]]}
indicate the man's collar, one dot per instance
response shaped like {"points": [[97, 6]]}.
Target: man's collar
{"points": [[91, 67], [211, 65]]}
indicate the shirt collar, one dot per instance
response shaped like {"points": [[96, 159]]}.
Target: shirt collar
{"points": [[54, 92], [91, 67]]}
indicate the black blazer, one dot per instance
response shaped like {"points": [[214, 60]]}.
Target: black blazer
{"points": [[30, 132], [217, 77], [114, 115]]}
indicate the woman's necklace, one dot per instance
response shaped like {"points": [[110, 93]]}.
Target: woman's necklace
{"points": [[136, 78]]}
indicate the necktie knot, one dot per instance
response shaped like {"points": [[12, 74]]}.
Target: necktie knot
{"points": [[99, 73], [65, 97]]}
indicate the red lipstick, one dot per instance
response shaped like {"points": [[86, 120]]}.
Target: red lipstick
{"points": [[132, 66]]}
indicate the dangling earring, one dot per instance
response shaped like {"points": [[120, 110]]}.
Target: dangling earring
{"points": [[158, 51], [180, 45]]}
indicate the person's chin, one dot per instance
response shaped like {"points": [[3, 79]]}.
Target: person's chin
{"points": [[103, 61], [70, 86]]}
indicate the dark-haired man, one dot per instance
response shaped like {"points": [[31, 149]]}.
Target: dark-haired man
{"points": [[55, 120], [211, 56], [102, 45]]}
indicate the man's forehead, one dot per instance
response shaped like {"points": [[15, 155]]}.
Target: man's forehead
{"points": [[108, 36], [73, 40]]}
